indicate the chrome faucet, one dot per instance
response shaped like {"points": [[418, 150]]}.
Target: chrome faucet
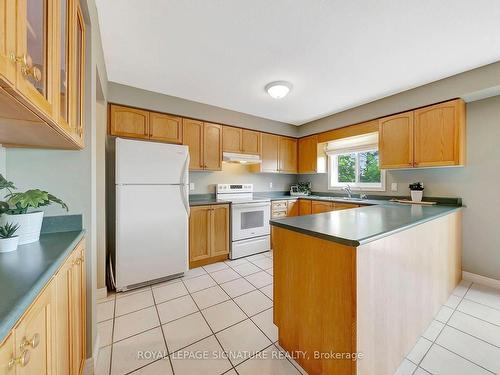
{"points": [[348, 190]]}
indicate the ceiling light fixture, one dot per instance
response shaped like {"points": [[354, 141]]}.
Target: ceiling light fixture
{"points": [[278, 89]]}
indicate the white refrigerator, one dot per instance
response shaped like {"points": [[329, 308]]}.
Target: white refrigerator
{"points": [[152, 211]]}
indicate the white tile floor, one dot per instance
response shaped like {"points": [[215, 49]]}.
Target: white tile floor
{"points": [[227, 307]]}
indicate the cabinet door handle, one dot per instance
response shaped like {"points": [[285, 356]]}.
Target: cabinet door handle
{"points": [[22, 360], [23, 59], [77, 261], [33, 342]]}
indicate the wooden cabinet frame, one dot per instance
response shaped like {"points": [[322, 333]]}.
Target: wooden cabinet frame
{"points": [[212, 229]]}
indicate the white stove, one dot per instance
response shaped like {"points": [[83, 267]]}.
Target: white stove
{"points": [[250, 229]]}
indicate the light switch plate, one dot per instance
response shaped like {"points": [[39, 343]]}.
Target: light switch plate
{"points": [[394, 186], [191, 186]]}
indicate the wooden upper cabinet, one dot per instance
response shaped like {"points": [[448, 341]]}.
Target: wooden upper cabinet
{"points": [[396, 141], [241, 140], [250, 142], [320, 206], [192, 136], [231, 139], [287, 155], [305, 207], [308, 154], [7, 41], [440, 134], [270, 153], [219, 230], [165, 128], [212, 147], [129, 122], [35, 47], [79, 75]]}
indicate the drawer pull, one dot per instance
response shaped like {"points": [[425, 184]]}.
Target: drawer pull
{"points": [[22, 360], [33, 342]]}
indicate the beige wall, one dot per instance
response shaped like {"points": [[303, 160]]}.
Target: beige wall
{"points": [[133, 96], [477, 184], [472, 85]]}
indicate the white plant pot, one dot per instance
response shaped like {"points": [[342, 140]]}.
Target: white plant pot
{"points": [[416, 195], [9, 244], [30, 225]]}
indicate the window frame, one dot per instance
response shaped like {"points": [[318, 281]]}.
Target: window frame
{"points": [[362, 186]]}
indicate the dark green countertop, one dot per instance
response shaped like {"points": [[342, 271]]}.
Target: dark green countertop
{"points": [[204, 202], [25, 272], [358, 226]]}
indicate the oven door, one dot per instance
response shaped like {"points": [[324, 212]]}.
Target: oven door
{"points": [[250, 220]]}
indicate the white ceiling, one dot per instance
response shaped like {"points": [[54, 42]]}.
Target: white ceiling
{"points": [[338, 54]]}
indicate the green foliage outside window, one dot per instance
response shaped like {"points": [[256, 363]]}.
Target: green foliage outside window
{"points": [[347, 168], [368, 167]]}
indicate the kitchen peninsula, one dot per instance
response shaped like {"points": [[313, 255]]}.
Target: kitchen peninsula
{"points": [[366, 280]]}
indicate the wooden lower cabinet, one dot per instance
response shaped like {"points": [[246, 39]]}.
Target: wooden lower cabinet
{"points": [[292, 208], [208, 234], [321, 206], [50, 336], [344, 206], [305, 207]]}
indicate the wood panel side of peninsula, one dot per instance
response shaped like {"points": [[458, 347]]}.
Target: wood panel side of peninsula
{"points": [[375, 299]]}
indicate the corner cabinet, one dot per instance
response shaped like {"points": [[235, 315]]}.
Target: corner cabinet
{"points": [[308, 154], [432, 136], [50, 336], [42, 64], [208, 234]]}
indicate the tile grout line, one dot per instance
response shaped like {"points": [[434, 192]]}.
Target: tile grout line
{"points": [[162, 333], [445, 324], [210, 327], [249, 318]]}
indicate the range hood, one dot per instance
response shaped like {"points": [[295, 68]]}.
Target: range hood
{"points": [[230, 157]]}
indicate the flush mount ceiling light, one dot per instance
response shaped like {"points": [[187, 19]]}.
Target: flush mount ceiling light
{"points": [[278, 89]]}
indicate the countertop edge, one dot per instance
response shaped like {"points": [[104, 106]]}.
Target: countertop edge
{"points": [[11, 319], [362, 241], [366, 240]]}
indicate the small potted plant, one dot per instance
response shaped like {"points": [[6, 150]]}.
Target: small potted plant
{"points": [[8, 241], [30, 223], [417, 191]]}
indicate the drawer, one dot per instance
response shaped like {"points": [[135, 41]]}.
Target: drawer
{"points": [[277, 205], [276, 214]]}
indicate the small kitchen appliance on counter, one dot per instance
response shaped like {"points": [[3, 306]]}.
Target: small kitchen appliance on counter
{"points": [[250, 229]]}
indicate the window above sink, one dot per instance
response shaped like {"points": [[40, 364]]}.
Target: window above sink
{"points": [[354, 161]]}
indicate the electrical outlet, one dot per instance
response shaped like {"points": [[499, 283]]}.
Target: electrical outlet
{"points": [[191, 186], [270, 185], [394, 186]]}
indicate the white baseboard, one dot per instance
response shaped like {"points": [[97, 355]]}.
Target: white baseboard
{"points": [[483, 280], [101, 293]]}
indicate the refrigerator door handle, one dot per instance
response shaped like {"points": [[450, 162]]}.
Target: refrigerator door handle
{"points": [[185, 173], [185, 198]]}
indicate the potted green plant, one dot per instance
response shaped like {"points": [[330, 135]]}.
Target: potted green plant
{"points": [[8, 241], [416, 191], [19, 204]]}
